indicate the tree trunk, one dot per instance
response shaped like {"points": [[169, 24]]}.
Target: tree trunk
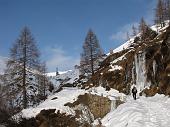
{"points": [[24, 74]]}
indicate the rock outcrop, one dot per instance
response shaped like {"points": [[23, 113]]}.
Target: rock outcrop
{"points": [[145, 63]]}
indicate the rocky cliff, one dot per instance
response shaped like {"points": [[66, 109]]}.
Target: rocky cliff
{"points": [[145, 64]]}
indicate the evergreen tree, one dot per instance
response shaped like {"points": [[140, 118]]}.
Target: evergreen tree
{"points": [[167, 4], [127, 36], [143, 29], [91, 55], [134, 31], [43, 83], [3, 92], [160, 14], [146, 32], [23, 61]]}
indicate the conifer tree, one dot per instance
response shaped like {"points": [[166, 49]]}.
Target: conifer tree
{"points": [[167, 4], [23, 61], [160, 14], [43, 81], [146, 32], [91, 55], [127, 36], [3, 92], [143, 28], [134, 31]]}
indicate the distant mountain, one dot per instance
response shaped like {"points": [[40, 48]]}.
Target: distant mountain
{"points": [[63, 78]]}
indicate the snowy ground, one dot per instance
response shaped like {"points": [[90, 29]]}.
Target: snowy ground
{"points": [[144, 112], [69, 94], [56, 101]]}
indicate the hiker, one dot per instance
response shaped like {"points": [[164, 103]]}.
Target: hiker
{"points": [[134, 91]]}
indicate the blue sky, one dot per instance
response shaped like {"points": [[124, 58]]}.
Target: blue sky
{"points": [[60, 26]]}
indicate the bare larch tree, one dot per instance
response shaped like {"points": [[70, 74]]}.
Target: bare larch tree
{"points": [[91, 55], [23, 61], [160, 13]]}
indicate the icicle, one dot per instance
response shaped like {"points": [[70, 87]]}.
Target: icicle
{"points": [[133, 75], [113, 105], [140, 67], [154, 67]]}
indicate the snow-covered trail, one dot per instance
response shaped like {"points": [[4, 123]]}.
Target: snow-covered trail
{"points": [[144, 112]]}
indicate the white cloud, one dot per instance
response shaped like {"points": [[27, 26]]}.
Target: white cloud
{"points": [[121, 35], [2, 64], [57, 57]]}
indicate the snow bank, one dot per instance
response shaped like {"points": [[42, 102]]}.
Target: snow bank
{"points": [[57, 102], [112, 94], [144, 112]]}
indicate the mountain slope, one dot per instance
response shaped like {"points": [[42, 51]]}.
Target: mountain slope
{"points": [[144, 63], [66, 78]]}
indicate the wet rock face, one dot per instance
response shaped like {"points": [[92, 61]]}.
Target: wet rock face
{"points": [[158, 66]]}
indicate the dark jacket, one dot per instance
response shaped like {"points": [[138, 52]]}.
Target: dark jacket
{"points": [[134, 90]]}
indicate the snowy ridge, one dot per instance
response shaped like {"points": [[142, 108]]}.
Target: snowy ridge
{"points": [[58, 100], [158, 28], [127, 44], [124, 46], [144, 112], [59, 72], [66, 77]]}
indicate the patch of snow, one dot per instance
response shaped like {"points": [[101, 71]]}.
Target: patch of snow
{"points": [[143, 112], [118, 59], [59, 72], [112, 94], [158, 27], [115, 67], [124, 46], [96, 122]]}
